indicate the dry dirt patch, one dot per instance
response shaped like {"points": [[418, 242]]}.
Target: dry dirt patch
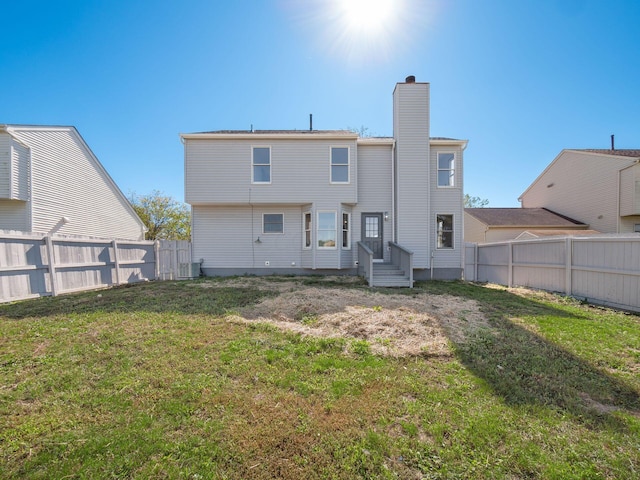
{"points": [[394, 325]]}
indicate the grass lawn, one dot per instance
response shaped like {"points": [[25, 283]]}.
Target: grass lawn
{"points": [[179, 380]]}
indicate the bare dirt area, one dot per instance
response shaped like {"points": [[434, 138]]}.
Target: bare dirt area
{"points": [[395, 325]]}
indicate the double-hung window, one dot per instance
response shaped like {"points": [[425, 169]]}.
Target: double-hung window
{"points": [[444, 231], [346, 236], [307, 229], [339, 164], [273, 223], [261, 165], [446, 169], [327, 234]]}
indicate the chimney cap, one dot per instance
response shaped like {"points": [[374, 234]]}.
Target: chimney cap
{"points": [[410, 79]]}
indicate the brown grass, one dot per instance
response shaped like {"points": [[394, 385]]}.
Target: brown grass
{"points": [[394, 325]]}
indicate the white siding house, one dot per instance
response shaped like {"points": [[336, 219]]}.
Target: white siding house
{"points": [[600, 188], [51, 182], [284, 201]]}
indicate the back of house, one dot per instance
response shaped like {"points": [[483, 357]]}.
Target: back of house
{"points": [[309, 201]]}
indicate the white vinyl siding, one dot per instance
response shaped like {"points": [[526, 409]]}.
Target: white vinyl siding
{"points": [[5, 166], [219, 172], [375, 191], [411, 131], [14, 215], [68, 181], [226, 238]]}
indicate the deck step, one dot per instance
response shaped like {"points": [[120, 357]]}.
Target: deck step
{"points": [[389, 275]]}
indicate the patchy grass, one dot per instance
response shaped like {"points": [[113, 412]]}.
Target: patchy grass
{"points": [[317, 378]]}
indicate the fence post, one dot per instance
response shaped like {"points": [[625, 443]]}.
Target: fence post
{"points": [[156, 254], [510, 273], [568, 265], [52, 264], [116, 260]]}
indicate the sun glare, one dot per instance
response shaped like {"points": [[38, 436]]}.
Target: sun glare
{"points": [[366, 16]]}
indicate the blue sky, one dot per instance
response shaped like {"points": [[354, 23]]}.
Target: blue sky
{"points": [[520, 79]]}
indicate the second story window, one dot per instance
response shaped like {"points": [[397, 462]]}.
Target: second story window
{"points": [[261, 165], [339, 165], [446, 169]]}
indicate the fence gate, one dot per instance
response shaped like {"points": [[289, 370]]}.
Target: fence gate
{"points": [[174, 260]]}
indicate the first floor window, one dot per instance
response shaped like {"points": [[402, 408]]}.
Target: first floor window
{"points": [[444, 232], [307, 230], [261, 162], [273, 223], [446, 169], [346, 240], [327, 230], [636, 228]]}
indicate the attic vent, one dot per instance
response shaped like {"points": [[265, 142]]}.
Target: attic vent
{"points": [[410, 79]]}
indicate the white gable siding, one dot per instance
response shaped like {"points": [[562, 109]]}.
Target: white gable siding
{"points": [[67, 181], [375, 187], [5, 166], [20, 166], [14, 215], [630, 190], [411, 131], [582, 186], [219, 171]]}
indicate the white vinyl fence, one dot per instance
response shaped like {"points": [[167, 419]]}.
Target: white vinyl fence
{"points": [[603, 269], [34, 265]]}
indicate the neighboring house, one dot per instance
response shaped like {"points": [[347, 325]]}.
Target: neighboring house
{"points": [[51, 182], [597, 187], [283, 201], [483, 225]]}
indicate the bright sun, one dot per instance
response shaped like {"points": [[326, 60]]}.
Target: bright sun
{"points": [[366, 15]]}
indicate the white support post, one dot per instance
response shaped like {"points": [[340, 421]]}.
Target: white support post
{"points": [[510, 273], [116, 260], [568, 266], [52, 264]]}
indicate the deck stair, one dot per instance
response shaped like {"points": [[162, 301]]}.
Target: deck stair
{"points": [[389, 275]]}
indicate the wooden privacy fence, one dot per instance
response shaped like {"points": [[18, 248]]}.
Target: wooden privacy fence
{"points": [[601, 269], [33, 265]]}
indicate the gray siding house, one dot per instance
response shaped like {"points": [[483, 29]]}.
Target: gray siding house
{"points": [[328, 201], [51, 182]]}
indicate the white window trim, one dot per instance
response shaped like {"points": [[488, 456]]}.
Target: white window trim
{"points": [[348, 165], [348, 247], [304, 230], [335, 229], [453, 232], [254, 164], [272, 233], [438, 170]]}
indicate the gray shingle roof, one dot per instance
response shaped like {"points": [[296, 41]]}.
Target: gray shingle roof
{"points": [[522, 217], [620, 153]]}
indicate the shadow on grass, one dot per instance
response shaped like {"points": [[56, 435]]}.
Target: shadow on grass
{"points": [[525, 368], [185, 297]]}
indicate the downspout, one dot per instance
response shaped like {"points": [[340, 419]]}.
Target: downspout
{"points": [[618, 196], [393, 192]]}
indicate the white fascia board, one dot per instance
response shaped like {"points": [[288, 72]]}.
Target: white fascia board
{"points": [[441, 142], [267, 136]]}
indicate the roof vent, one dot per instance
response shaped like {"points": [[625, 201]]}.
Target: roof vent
{"points": [[410, 79]]}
